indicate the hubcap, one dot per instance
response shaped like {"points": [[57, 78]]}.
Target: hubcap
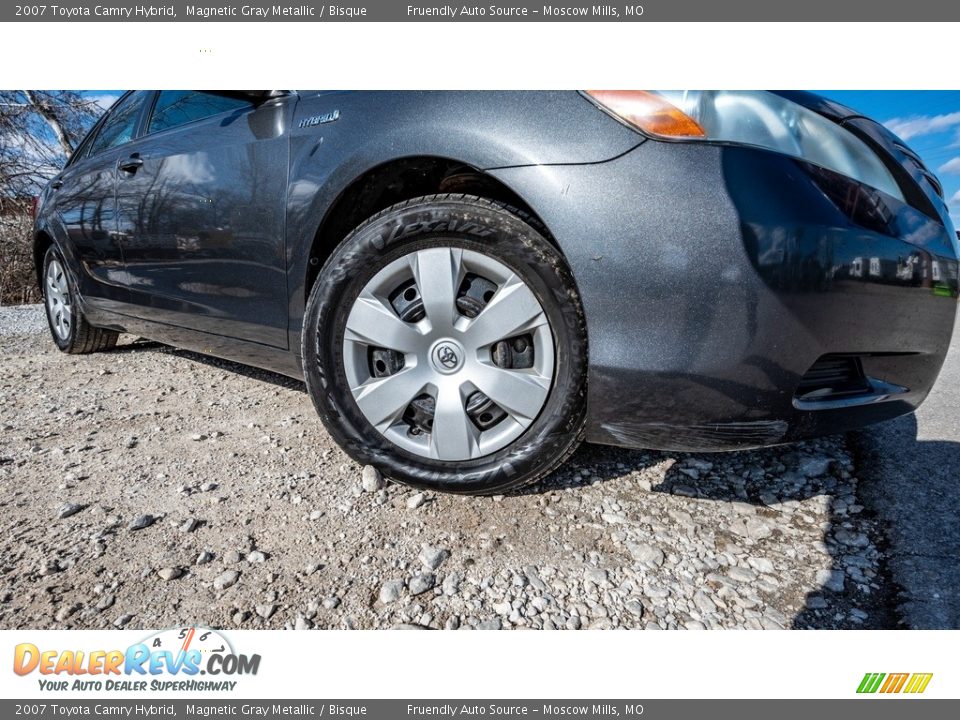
{"points": [[59, 308], [448, 353]]}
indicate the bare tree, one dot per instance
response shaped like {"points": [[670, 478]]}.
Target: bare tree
{"points": [[39, 131]]}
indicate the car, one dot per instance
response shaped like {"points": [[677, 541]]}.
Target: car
{"points": [[472, 283]]}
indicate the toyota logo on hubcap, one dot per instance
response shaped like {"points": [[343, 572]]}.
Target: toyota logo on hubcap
{"points": [[447, 357]]}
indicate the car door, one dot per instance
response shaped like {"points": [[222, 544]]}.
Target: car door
{"points": [[84, 196], [200, 206]]}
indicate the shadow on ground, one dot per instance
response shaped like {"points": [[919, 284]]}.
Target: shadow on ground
{"points": [[142, 345], [828, 607], [907, 487], [911, 484]]}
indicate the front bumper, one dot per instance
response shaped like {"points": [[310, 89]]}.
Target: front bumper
{"points": [[714, 277]]}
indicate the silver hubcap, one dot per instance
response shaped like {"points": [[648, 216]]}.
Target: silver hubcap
{"points": [[59, 308], [448, 353]]}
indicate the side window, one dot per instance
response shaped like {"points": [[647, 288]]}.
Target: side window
{"points": [[120, 126], [179, 107]]}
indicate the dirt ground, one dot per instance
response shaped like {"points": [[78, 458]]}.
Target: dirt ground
{"points": [[149, 487]]}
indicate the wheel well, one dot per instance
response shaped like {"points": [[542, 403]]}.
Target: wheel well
{"points": [[400, 180], [40, 244]]}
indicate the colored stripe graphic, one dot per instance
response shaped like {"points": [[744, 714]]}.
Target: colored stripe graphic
{"points": [[894, 683], [870, 682], [918, 682]]}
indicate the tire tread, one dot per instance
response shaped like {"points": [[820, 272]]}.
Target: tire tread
{"points": [[576, 428], [90, 339]]}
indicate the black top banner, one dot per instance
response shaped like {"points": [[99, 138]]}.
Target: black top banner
{"points": [[510, 11]]}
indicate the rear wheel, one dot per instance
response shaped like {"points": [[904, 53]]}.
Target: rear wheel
{"points": [[444, 343], [69, 328]]}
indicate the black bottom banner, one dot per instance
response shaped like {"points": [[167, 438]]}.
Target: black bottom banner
{"points": [[872, 708]]}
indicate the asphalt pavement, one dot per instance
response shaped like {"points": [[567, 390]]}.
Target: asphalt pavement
{"points": [[908, 477]]}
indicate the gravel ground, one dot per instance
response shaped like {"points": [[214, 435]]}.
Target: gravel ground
{"points": [[22, 320], [150, 487]]}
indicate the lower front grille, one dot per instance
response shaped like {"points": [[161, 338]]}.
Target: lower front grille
{"points": [[833, 376]]}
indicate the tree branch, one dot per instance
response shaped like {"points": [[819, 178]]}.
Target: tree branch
{"points": [[47, 112]]}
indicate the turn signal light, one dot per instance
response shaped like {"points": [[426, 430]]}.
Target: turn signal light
{"points": [[649, 112]]}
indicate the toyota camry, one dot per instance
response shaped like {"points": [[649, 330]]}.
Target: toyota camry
{"points": [[472, 283]]}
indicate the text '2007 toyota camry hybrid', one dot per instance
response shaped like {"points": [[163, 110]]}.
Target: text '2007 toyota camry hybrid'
{"points": [[471, 283]]}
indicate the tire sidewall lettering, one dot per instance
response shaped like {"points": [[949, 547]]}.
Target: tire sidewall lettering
{"points": [[510, 240]]}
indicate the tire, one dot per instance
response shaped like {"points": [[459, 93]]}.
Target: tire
{"points": [[549, 361], [69, 328]]}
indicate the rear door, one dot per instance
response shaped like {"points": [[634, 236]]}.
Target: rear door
{"points": [[84, 196], [200, 205]]}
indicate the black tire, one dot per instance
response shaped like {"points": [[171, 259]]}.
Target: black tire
{"points": [[82, 337], [500, 232]]}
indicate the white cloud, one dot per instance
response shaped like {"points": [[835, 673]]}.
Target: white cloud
{"points": [[951, 166], [955, 199], [917, 125]]}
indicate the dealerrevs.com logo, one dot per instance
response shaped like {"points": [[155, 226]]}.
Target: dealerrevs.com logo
{"points": [[181, 659]]}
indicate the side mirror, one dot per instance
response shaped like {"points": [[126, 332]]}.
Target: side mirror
{"points": [[261, 94], [254, 96]]}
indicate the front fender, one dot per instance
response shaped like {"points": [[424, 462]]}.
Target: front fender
{"points": [[346, 134]]}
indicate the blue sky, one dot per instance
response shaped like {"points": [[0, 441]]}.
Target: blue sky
{"points": [[928, 120]]}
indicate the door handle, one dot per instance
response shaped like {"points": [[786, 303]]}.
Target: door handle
{"points": [[131, 164]]}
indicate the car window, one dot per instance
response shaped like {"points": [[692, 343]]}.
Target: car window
{"points": [[120, 126], [179, 107]]}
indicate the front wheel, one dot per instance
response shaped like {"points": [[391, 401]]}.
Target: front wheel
{"points": [[444, 343]]}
